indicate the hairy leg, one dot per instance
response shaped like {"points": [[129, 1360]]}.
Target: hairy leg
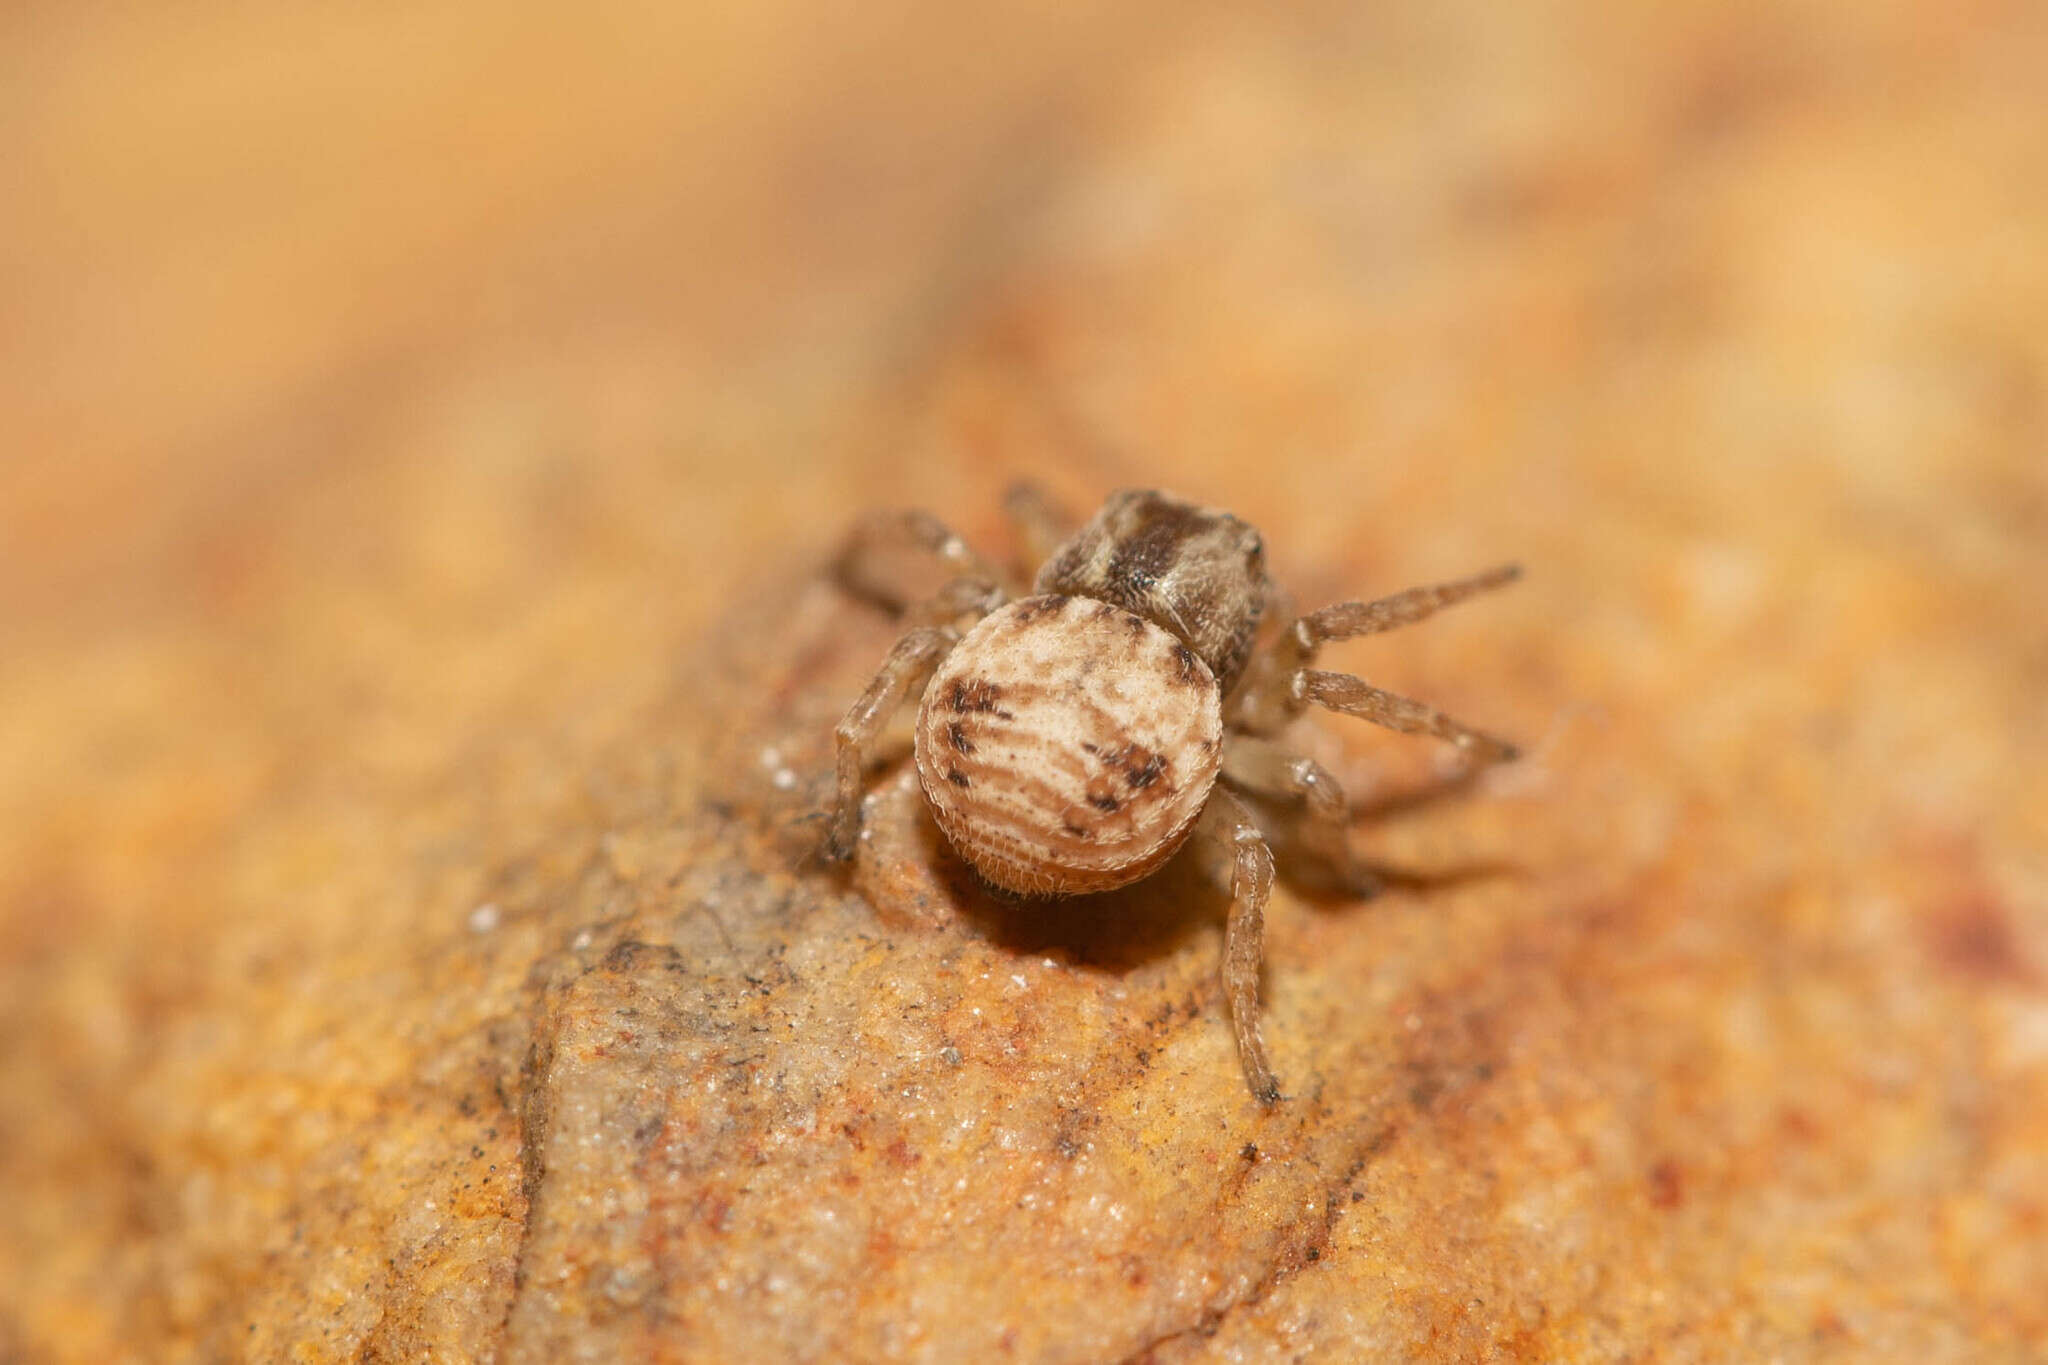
{"points": [[1348, 620], [1275, 690], [971, 598], [1042, 524], [864, 563], [1226, 823], [1356, 697], [1263, 767], [903, 675]]}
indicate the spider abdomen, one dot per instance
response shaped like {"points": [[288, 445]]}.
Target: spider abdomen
{"points": [[1067, 745]]}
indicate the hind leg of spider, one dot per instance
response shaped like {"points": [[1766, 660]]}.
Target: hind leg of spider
{"points": [[1323, 819], [868, 563], [1042, 524], [1226, 827], [903, 675], [1271, 695]]}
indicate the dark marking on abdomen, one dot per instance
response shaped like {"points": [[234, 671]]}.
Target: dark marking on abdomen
{"points": [[1031, 609], [971, 695], [1140, 766]]}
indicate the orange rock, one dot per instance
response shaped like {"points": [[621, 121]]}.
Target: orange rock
{"points": [[417, 689]]}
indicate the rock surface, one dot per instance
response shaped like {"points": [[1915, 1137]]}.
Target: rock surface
{"points": [[420, 675]]}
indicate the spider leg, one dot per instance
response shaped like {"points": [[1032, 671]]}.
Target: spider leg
{"points": [[865, 561], [1273, 691], [902, 675], [1347, 620], [1043, 525], [970, 597], [1356, 697], [1266, 769], [1226, 824]]}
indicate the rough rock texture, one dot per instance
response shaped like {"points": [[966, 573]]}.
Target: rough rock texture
{"points": [[427, 430]]}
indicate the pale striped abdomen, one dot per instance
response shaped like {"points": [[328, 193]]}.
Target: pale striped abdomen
{"points": [[1067, 745]]}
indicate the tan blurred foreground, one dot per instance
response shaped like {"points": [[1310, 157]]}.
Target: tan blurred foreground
{"points": [[427, 426]]}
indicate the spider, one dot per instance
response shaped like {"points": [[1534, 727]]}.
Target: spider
{"points": [[1072, 740]]}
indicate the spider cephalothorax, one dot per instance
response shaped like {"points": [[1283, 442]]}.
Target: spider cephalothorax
{"points": [[1073, 740], [1198, 573]]}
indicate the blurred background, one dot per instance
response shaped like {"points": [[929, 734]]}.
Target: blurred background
{"points": [[391, 395]]}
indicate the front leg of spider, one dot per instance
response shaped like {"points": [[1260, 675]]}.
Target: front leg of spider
{"points": [[1282, 685], [1357, 697]]}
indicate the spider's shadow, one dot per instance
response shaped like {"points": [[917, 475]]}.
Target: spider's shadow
{"points": [[1314, 881], [1116, 931], [1113, 931]]}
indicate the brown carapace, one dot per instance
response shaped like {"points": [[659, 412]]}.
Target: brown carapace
{"points": [[1072, 741]]}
